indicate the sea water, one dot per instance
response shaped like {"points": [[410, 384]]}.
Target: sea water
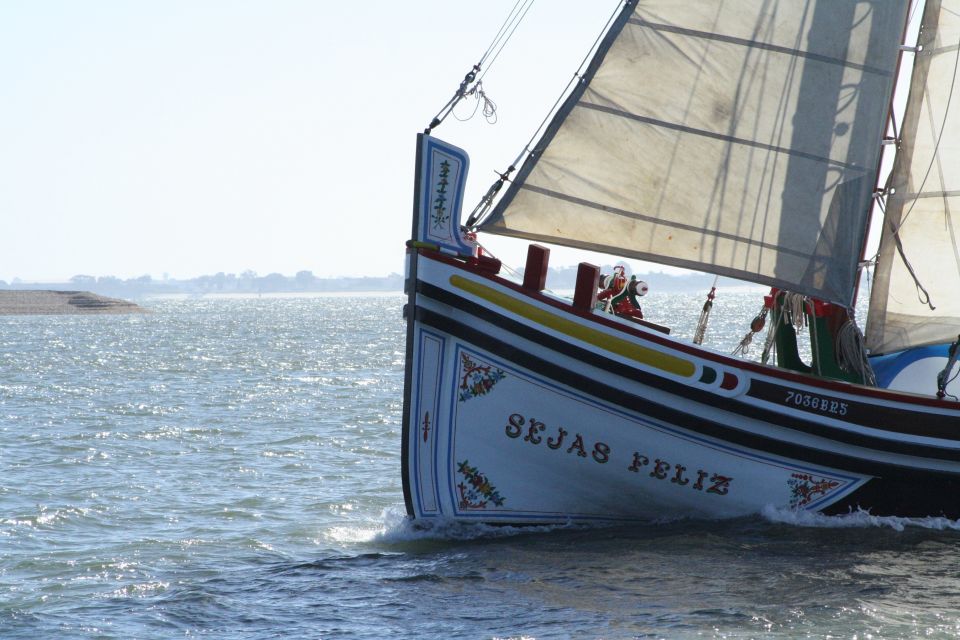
{"points": [[230, 468]]}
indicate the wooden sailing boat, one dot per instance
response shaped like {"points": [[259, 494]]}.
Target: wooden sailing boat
{"points": [[742, 139]]}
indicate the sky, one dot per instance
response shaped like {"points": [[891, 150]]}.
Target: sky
{"points": [[177, 138]]}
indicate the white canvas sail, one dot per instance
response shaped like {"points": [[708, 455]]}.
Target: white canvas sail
{"points": [[922, 223], [740, 138]]}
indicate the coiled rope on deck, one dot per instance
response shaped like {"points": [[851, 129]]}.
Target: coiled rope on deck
{"points": [[852, 354]]}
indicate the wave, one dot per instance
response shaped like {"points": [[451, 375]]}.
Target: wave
{"points": [[856, 519], [394, 529], [399, 529]]}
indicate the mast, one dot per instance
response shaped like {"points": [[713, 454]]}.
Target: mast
{"points": [[880, 188], [914, 298]]}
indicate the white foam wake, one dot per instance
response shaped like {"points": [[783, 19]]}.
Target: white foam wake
{"points": [[398, 528], [856, 519]]}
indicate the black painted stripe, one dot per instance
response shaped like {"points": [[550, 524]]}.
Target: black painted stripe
{"points": [[673, 415], [889, 419], [882, 418], [682, 391], [906, 497]]}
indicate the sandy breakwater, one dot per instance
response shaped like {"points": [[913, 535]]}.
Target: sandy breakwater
{"points": [[39, 302]]}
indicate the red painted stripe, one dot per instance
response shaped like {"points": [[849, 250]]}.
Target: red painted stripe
{"points": [[736, 363]]}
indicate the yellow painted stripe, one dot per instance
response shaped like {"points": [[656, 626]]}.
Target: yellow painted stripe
{"points": [[644, 355]]}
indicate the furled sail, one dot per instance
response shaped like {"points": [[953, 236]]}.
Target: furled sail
{"points": [[921, 230], [740, 138]]}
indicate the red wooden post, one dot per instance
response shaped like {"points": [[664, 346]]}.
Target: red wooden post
{"points": [[535, 273], [588, 280]]}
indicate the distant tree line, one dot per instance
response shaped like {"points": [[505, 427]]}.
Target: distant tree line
{"points": [[246, 282], [558, 279]]}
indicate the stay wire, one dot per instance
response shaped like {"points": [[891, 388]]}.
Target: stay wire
{"points": [[578, 74], [503, 28], [485, 205], [922, 294], [470, 84], [914, 6], [936, 147], [509, 27], [513, 28]]}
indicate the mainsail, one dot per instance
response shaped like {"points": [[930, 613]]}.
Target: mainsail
{"points": [[740, 138], [915, 298]]}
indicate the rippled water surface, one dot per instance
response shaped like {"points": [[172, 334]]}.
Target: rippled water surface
{"points": [[229, 467]]}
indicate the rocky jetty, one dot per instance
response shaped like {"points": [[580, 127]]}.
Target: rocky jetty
{"points": [[39, 302]]}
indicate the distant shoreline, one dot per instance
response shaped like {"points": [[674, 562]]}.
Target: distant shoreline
{"points": [[304, 282], [42, 302]]}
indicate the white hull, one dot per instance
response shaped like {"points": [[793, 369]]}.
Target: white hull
{"points": [[521, 410]]}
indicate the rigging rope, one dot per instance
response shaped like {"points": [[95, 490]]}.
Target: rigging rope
{"points": [[943, 378], [486, 203], [506, 267], [460, 93], [815, 341], [507, 29], [769, 345], [489, 106], [701, 331], [913, 10], [576, 75], [756, 326], [501, 35], [922, 293], [517, 14], [936, 146], [794, 305]]}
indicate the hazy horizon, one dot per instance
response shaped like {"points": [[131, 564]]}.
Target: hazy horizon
{"points": [[229, 135], [652, 269]]}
